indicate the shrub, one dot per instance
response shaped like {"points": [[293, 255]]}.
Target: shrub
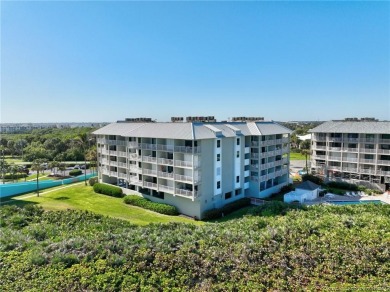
{"points": [[343, 185], [108, 190], [312, 178], [153, 206], [93, 180], [274, 208], [227, 209], [75, 172], [15, 176], [287, 188]]}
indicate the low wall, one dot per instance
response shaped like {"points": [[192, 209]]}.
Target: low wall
{"points": [[7, 190]]}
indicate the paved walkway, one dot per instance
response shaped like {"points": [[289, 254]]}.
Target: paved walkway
{"points": [[384, 197]]}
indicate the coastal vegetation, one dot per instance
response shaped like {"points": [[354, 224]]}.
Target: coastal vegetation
{"points": [[323, 247]]}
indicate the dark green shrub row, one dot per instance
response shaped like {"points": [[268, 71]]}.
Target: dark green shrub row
{"points": [[15, 176], [153, 206], [75, 172], [312, 178], [108, 190], [343, 185], [227, 209], [287, 188], [93, 180]]}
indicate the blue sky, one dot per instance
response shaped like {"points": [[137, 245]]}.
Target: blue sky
{"points": [[104, 61]]}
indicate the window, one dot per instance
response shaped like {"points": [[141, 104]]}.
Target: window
{"points": [[228, 195], [218, 184], [238, 141], [218, 157], [238, 154], [218, 143], [238, 192], [237, 179]]}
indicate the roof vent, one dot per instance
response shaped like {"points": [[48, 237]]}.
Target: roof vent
{"points": [[177, 119], [201, 119], [137, 120], [247, 119]]}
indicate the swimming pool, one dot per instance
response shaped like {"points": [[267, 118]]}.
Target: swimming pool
{"points": [[356, 202]]}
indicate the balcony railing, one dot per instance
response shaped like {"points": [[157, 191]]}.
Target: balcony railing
{"points": [[122, 175], [134, 156], [187, 149], [113, 163], [113, 173], [350, 149], [113, 152], [183, 163], [384, 151], [122, 154], [133, 145], [350, 169], [255, 143], [367, 160], [285, 140], [385, 162], [385, 141], [332, 167], [334, 148], [384, 172], [149, 172], [181, 177], [278, 152], [165, 161], [165, 174], [134, 168], [334, 158], [187, 193], [167, 189], [150, 185], [122, 164], [350, 159], [366, 150], [334, 139], [367, 170], [319, 156], [149, 159], [320, 147], [255, 155]]}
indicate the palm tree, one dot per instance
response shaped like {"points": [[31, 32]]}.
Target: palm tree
{"points": [[305, 150], [83, 142], [13, 169], [4, 167], [38, 165]]}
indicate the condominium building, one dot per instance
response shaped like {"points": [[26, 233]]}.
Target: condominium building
{"points": [[352, 150], [195, 165]]}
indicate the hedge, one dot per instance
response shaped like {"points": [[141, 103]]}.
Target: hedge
{"points": [[343, 185], [15, 176], [108, 190], [312, 178], [75, 172], [93, 180], [227, 209], [153, 206]]}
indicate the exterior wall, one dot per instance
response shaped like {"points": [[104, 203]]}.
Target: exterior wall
{"points": [[334, 157], [156, 168]]}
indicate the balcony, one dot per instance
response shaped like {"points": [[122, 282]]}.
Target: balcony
{"points": [[183, 163], [149, 159], [113, 163], [247, 150], [246, 162], [113, 173], [122, 175], [334, 148], [323, 157], [384, 172], [122, 164], [350, 149], [246, 185], [366, 150], [166, 189], [105, 152], [165, 161], [350, 169], [255, 155], [133, 156], [134, 168], [367, 170], [255, 167], [278, 141], [335, 139], [371, 161], [165, 174], [354, 140], [254, 178], [133, 145], [385, 141], [278, 152], [332, 167], [319, 138], [122, 154], [320, 147], [333, 158], [184, 178], [150, 185], [384, 162], [285, 140], [105, 171], [149, 172], [263, 178], [246, 173], [134, 179], [255, 143], [187, 193], [384, 151], [187, 149], [350, 159], [113, 152]]}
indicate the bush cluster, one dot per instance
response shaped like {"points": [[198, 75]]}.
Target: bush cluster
{"points": [[274, 208], [343, 185], [153, 206], [312, 178], [75, 172], [227, 209], [93, 180], [108, 190], [15, 176]]}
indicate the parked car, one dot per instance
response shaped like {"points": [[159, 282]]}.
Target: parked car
{"points": [[76, 166]]}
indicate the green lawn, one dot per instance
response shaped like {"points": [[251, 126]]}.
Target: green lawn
{"points": [[84, 198], [298, 156]]}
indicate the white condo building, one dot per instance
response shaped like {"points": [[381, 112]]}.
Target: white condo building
{"points": [[195, 166], [352, 150]]}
